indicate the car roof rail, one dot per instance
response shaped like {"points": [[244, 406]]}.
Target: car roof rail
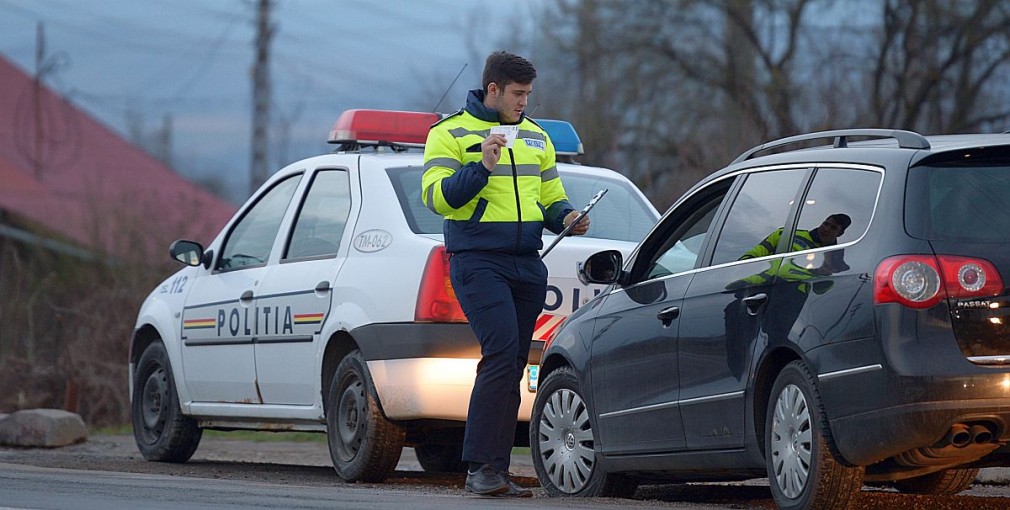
{"points": [[906, 140]]}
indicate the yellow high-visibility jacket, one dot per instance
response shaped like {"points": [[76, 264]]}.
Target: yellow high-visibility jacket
{"points": [[504, 210]]}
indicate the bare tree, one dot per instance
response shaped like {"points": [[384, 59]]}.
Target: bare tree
{"points": [[942, 66]]}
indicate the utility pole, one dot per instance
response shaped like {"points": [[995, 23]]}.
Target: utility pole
{"points": [[261, 97], [40, 57]]}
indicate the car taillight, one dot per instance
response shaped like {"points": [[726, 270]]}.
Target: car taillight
{"points": [[921, 281], [436, 301]]}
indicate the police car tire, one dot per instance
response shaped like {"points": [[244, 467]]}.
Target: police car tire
{"points": [[162, 432], [795, 416], [562, 392], [364, 445], [441, 458], [947, 482]]}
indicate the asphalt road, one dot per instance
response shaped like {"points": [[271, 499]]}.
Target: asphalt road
{"points": [[107, 473]]}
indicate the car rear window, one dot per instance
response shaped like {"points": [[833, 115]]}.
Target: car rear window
{"points": [[621, 215], [966, 199]]}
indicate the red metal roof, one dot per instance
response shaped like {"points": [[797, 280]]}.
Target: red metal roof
{"points": [[78, 178]]}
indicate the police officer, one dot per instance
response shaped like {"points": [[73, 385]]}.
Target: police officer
{"points": [[496, 200]]}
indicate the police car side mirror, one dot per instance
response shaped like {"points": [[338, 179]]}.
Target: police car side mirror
{"points": [[602, 267], [187, 252]]}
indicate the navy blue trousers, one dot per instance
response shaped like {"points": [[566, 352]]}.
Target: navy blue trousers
{"points": [[501, 295]]}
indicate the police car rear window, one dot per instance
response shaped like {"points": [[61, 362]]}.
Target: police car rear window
{"points": [[622, 215]]}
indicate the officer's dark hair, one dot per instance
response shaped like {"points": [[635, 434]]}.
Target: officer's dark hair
{"points": [[503, 68], [843, 220]]}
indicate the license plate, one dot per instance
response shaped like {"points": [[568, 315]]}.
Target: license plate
{"points": [[532, 372]]}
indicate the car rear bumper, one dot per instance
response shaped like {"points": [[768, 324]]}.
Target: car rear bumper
{"points": [[894, 414], [436, 388], [426, 370]]}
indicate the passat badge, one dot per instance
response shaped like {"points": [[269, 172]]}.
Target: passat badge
{"points": [[372, 240]]}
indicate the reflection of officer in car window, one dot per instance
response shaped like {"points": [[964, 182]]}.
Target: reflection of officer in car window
{"points": [[824, 235], [791, 291]]}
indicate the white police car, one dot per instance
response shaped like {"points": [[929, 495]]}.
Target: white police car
{"points": [[325, 305]]}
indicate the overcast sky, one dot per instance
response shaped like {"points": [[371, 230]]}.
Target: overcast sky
{"points": [[192, 59]]}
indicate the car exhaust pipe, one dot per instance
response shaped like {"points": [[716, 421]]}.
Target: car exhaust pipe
{"points": [[980, 434], [959, 435]]}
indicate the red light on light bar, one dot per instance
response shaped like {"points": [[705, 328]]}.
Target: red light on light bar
{"points": [[383, 126]]}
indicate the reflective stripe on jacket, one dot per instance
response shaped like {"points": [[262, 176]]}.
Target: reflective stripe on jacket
{"points": [[505, 210]]}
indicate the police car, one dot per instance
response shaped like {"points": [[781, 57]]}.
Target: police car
{"points": [[325, 305]]}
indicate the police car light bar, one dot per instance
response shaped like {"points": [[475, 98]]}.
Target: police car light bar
{"points": [[566, 141], [383, 127]]}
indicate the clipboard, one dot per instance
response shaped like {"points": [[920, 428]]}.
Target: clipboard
{"points": [[585, 210]]}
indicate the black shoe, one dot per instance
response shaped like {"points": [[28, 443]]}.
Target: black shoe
{"points": [[516, 490], [487, 481]]}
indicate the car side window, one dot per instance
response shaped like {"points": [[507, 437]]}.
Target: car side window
{"points": [[320, 223], [837, 207], [757, 217], [251, 239], [676, 244]]}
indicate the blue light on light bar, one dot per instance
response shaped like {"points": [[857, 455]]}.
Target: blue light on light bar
{"points": [[566, 140]]}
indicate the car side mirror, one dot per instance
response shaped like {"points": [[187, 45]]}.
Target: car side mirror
{"points": [[602, 267], [187, 252]]}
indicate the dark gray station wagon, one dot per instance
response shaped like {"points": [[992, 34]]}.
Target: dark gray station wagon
{"points": [[828, 317]]}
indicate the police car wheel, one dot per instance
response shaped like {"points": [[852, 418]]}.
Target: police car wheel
{"points": [[802, 470], [562, 442], [947, 482], [162, 432], [364, 445], [441, 458]]}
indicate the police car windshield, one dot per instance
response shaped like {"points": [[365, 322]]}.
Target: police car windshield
{"points": [[622, 215]]}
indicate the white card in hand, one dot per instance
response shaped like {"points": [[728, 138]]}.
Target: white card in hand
{"points": [[509, 132]]}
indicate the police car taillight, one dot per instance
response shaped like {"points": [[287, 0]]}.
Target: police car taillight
{"points": [[436, 301], [383, 127], [921, 281]]}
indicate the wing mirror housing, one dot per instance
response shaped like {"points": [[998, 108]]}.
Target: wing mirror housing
{"points": [[602, 267], [187, 252]]}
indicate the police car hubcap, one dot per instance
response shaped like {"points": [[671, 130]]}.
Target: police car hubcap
{"points": [[349, 418], [153, 404]]}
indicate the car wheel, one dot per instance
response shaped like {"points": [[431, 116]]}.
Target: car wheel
{"points": [[947, 482], [162, 432], [441, 458], [364, 445], [562, 442], [802, 470]]}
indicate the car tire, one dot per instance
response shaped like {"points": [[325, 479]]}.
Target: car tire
{"points": [[364, 445], [947, 482], [802, 469], [562, 442], [441, 458], [162, 432]]}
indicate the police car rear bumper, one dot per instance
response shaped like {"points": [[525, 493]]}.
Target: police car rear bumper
{"points": [[427, 370]]}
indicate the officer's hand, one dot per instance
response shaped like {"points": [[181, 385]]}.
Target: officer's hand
{"points": [[491, 148], [581, 227]]}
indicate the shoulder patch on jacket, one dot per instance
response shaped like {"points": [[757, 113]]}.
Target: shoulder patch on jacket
{"points": [[448, 116]]}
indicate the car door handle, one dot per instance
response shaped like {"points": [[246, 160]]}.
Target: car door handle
{"points": [[755, 302], [323, 286], [668, 315], [246, 296]]}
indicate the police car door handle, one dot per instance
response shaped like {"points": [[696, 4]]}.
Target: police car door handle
{"points": [[667, 315], [323, 286], [246, 296], [755, 302]]}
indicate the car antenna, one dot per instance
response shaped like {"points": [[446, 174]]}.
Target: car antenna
{"points": [[435, 109]]}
